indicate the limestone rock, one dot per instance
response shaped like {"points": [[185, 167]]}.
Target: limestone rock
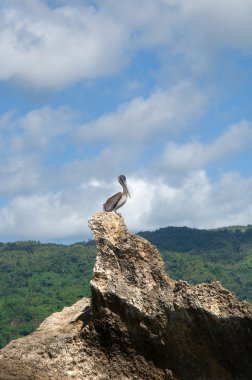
{"points": [[51, 351], [140, 324]]}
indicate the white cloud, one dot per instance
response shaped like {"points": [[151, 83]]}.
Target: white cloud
{"points": [[39, 127], [20, 173], [35, 217], [50, 216], [53, 47], [142, 119], [197, 202], [196, 155], [220, 23], [106, 164], [36, 129], [25, 143]]}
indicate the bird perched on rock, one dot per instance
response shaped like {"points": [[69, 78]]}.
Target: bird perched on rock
{"points": [[117, 200]]}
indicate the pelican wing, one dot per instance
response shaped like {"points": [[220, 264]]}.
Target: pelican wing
{"points": [[111, 202]]}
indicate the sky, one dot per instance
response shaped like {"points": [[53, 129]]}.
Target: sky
{"points": [[157, 90]]}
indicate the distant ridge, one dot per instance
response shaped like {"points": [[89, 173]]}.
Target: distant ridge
{"points": [[186, 239]]}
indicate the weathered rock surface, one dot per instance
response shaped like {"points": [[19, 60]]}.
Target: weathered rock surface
{"points": [[140, 324]]}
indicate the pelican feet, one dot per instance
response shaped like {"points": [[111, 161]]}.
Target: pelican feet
{"points": [[117, 213]]}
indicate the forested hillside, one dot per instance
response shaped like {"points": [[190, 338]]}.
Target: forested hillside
{"points": [[195, 255], [37, 279]]}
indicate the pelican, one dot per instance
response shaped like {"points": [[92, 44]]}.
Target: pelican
{"points": [[117, 200]]}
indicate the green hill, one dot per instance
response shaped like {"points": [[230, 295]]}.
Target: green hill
{"points": [[38, 279], [195, 255]]}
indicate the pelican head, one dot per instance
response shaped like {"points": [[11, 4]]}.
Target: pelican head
{"points": [[123, 183]]}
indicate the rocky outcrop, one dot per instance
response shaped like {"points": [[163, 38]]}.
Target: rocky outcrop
{"points": [[139, 324]]}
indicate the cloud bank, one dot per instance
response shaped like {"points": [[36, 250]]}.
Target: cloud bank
{"points": [[52, 47], [140, 120], [196, 155], [48, 202], [198, 202]]}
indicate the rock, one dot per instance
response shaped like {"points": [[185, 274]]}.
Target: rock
{"points": [[140, 324], [48, 353]]}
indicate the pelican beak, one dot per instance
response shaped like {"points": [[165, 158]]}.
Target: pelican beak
{"points": [[127, 190]]}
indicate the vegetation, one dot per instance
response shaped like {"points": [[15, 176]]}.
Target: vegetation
{"points": [[38, 279], [195, 255]]}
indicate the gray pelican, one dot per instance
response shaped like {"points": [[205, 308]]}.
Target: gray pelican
{"points": [[117, 200]]}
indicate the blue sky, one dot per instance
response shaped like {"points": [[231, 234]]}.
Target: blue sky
{"points": [[158, 90]]}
